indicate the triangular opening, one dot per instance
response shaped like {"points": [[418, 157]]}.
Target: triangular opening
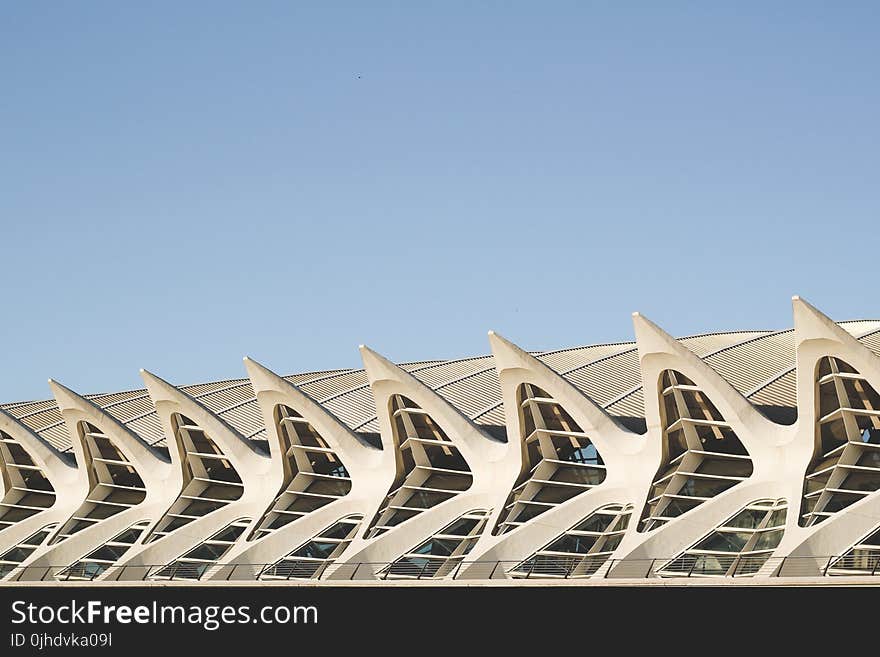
{"points": [[846, 461], [431, 469], [317, 475], [702, 455], [560, 460], [212, 481]]}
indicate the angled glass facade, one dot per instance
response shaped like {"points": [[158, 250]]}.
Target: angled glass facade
{"points": [[581, 550], [738, 548], [317, 474], [441, 554], [196, 562], [116, 484], [432, 470], [561, 460], [97, 561], [703, 457], [27, 489], [12, 559], [846, 464], [211, 483], [311, 559]]}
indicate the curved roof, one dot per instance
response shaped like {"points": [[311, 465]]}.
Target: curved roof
{"points": [[760, 364]]}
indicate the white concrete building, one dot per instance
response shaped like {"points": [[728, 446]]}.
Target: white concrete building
{"points": [[741, 454]]}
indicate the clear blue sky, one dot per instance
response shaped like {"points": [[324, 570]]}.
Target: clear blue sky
{"points": [[182, 184]]}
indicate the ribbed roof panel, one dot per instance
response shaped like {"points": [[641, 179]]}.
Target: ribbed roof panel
{"points": [[859, 327], [330, 386], [872, 341], [781, 391], [149, 427], [608, 378], [565, 360], [766, 355], [127, 409], [632, 405], [495, 416], [436, 375], [473, 394], [198, 390], [354, 408]]}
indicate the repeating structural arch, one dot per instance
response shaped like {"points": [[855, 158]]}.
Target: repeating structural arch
{"points": [[213, 456], [574, 458], [846, 464], [225, 477], [40, 485], [317, 474], [41, 488], [115, 485], [311, 559], [125, 481], [27, 489], [708, 440], [325, 471], [444, 467], [737, 548], [432, 471], [561, 460], [581, 550], [702, 455], [443, 553], [838, 377], [211, 479], [708, 453]]}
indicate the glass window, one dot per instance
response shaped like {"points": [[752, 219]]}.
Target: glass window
{"points": [[572, 543], [725, 541], [541, 414], [768, 540], [682, 400], [694, 487]]}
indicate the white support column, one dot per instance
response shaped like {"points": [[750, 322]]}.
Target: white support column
{"points": [[70, 484], [762, 438], [818, 337], [370, 468], [493, 464], [626, 474], [260, 477], [162, 480]]}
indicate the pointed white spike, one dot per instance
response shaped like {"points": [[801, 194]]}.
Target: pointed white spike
{"points": [[506, 353], [158, 388], [261, 377], [509, 356], [811, 323], [378, 367], [64, 396], [652, 338]]}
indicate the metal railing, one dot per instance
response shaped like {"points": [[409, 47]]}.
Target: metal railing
{"points": [[535, 568]]}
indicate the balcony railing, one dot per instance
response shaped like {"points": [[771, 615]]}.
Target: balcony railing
{"points": [[543, 568]]}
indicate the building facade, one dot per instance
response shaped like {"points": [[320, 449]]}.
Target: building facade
{"points": [[742, 454]]}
